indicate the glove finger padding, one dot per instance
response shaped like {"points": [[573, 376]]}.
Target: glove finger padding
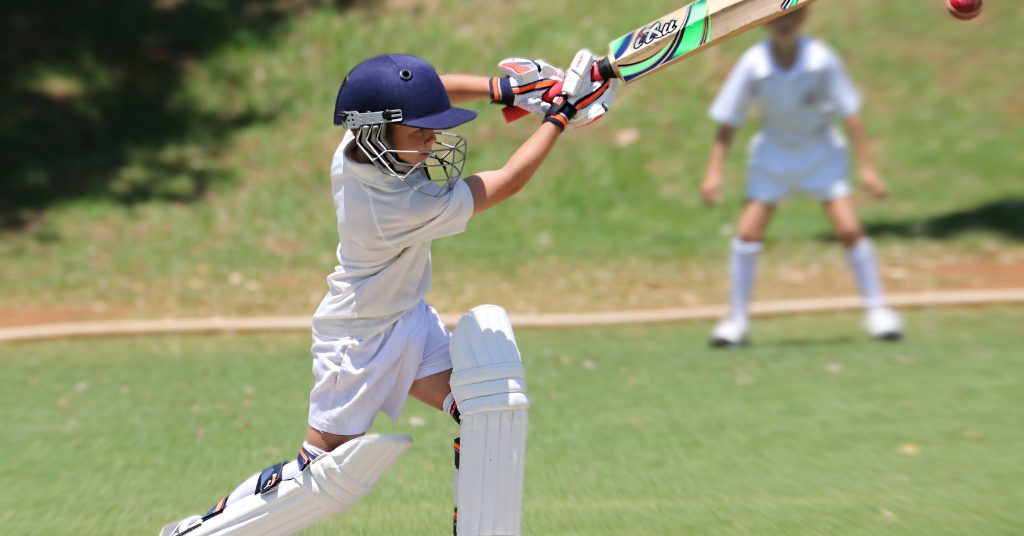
{"points": [[588, 107], [595, 103], [525, 70], [524, 85]]}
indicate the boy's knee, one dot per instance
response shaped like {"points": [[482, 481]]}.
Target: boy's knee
{"points": [[750, 236], [849, 237]]}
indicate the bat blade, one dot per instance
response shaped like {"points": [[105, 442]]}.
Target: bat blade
{"points": [[688, 31]]}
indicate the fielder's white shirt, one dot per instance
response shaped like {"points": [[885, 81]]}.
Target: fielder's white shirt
{"points": [[384, 234], [798, 106]]}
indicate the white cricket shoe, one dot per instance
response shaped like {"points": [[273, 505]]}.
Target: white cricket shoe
{"points": [[730, 333], [883, 324]]}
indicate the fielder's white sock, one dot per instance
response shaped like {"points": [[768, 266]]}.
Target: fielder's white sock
{"points": [[862, 263], [742, 269]]}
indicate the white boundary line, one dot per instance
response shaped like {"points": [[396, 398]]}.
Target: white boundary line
{"points": [[539, 320]]}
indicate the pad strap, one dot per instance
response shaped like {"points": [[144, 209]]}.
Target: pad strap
{"points": [[455, 413], [304, 458], [270, 478], [218, 508]]}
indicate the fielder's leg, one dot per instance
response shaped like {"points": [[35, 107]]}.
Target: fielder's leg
{"points": [[734, 330], [490, 393], [328, 485], [879, 321]]}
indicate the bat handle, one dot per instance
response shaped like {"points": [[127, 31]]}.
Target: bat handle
{"points": [[602, 70]]}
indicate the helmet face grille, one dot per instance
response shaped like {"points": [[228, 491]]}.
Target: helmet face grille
{"points": [[434, 175]]}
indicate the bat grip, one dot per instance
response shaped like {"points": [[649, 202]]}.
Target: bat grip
{"points": [[602, 70]]}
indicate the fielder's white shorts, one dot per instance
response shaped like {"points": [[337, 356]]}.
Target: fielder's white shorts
{"points": [[356, 379], [817, 170]]}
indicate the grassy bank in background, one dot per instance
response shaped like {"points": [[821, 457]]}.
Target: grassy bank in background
{"points": [[605, 224]]}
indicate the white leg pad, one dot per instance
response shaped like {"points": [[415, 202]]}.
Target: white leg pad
{"points": [[490, 390], [328, 486]]}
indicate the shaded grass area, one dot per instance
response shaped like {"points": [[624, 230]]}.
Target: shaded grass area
{"points": [[1004, 217], [93, 103], [814, 430], [239, 94]]}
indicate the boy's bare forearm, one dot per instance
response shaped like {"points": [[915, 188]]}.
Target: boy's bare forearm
{"points": [[466, 87], [492, 187]]}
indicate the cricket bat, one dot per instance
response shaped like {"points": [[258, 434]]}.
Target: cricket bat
{"points": [[673, 38]]}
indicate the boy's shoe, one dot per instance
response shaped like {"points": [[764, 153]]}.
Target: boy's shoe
{"points": [[883, 324], [730, 333]]}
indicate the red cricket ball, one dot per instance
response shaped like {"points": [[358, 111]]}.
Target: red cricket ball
{"points": [[964, 9]]}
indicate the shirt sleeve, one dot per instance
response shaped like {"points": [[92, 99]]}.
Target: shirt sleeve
{"points": [[841, 89], [450, 219], [733, 101]]}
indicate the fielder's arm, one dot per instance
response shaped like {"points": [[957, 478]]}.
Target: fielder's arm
{"points": [[865, 160], [711, 188]]}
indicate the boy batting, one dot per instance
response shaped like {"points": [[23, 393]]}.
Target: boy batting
{"points": [[397, 185], [801, 89]]}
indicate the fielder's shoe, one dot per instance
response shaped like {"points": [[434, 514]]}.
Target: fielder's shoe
{"points": [[180, 527], [730, 333], [884, 324]]}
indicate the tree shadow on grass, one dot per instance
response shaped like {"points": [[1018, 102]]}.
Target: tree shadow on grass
{"points": [[1004, 217], [90, 97]]}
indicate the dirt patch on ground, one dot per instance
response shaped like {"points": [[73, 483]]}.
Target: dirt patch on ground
{"points": [[10, 317], [561, 286], [983, 275]]}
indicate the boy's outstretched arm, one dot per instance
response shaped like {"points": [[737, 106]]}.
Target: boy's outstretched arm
{"points": [[865, 162], [711, 188], [492, 187], [523, 83], [465, 87]]}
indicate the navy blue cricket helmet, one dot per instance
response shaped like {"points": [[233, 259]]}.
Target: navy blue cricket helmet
{"points": [[402, 89], [399, 82]]}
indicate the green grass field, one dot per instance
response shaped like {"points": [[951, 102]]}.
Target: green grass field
{"points": [[639, 430], [225, 171]]}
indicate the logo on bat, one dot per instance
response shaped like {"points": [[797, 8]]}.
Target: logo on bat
{"points": [[654, 32]]}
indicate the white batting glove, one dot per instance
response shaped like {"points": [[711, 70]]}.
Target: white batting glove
{"points": [[525, 83], [600, 103], [592, 102]]}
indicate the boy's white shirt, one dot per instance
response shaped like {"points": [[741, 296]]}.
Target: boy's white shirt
{"points": [[385, 229], [797, 106]]}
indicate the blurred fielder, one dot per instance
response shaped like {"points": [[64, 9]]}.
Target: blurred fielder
{"points": [[396, 186], [800, 87]]}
